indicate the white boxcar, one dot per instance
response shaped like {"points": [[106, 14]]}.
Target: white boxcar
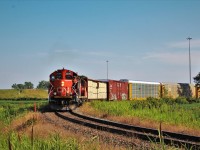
{"points": [[97, 90]]}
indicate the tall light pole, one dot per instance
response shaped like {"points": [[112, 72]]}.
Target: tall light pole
{"points": [[189, 38], [107, 69]]}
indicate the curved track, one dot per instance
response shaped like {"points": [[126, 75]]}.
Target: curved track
{"points": [[113, 140], [170, 138]]}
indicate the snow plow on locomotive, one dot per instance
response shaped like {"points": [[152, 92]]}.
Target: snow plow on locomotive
{"points": [[66, 89]]}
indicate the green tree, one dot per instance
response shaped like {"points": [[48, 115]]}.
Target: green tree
{"points": [[197, 79], [14, 86], [18, 86], [43, 85], [28, 85]]}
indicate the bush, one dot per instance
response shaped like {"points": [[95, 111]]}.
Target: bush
{"points": [[197, 100], [181, 100], [169, 101], [149, 103]]}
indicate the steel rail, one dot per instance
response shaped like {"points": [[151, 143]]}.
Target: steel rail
{"points": [[190, 142], [179, 136]]}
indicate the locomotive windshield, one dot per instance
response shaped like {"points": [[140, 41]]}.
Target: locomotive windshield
{"points": [[59, 75], [68, 76]]}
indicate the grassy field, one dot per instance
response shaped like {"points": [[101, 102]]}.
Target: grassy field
{"points": [[21, 113], [17, 117], [21, 128], [25, 94], [55, 142], [175, 112], [10, 110]]}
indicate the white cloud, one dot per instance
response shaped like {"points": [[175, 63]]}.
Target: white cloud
{"points": [[99, 53], [65, 50], [194, 43], [84, 52], [176, 58]]}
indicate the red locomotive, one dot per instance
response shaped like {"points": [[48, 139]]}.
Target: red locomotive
{"points": [[66, 87]]}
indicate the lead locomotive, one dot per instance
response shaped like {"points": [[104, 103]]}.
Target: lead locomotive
{"points": [[66, 88]]}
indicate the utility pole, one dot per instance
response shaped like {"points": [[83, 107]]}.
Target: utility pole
{"points": [[189, 38]]}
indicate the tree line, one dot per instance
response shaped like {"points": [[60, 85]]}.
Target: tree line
{"points": [[28, 85], [197, 79]]}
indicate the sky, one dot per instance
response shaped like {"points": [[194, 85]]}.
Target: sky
{"points": [[141, 39]]}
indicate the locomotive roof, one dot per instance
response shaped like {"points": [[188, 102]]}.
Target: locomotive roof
{"points": [[142, 82], [60, 70]]}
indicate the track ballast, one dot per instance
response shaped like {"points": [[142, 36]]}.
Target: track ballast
{"points": [[170, 138]]}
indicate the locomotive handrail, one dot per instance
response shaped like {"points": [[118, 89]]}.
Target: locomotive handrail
{"points": [[51, 90]]}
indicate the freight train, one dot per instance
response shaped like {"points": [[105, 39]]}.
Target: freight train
{"points": [[68, 88]]}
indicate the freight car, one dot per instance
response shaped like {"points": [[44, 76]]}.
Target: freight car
{"points": [[96, 90], [175, 90], [197, 91], [116, 90], [139, 90]]}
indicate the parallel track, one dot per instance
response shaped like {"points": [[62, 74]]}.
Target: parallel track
{"points": [[170, 138]]}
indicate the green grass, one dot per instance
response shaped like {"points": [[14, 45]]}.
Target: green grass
{"points": [[26, 94], [165, 110], [55, 141], [15, 141], [10, 110]]}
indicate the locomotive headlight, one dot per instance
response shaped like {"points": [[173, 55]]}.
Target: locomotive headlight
{"points": [[54, 93], [62, 83]]}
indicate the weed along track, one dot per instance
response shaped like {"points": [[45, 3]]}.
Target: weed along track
{"points": [[132, 132]]}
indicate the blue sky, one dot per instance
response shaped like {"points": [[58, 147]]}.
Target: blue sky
{"points": [[142, 40]]}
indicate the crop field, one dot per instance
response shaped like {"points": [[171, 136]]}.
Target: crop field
{"points": [[10, 110], [178, 112], [25, 94]]}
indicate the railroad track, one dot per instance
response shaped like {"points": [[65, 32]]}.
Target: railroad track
{"points": [[170, 138]]}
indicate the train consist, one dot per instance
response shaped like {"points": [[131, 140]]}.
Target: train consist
{"points": [[67, 87]]}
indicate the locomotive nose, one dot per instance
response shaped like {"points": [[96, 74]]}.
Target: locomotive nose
{"points": [[61, 91]]}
